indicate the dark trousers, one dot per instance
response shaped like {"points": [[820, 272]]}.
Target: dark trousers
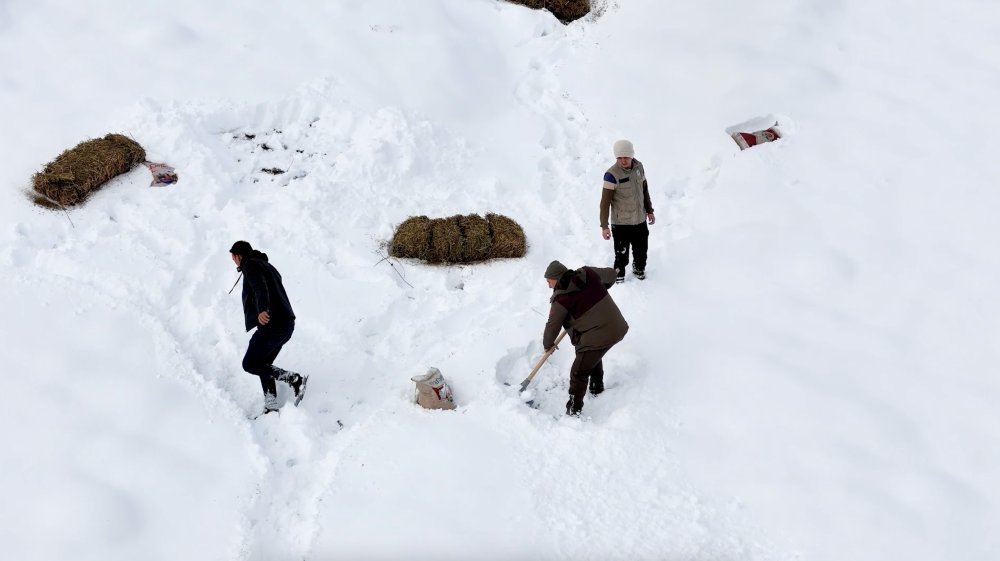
{"points": [[265, 344], [637, 237], [587, 367]]}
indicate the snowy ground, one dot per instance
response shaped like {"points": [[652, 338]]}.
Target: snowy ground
{"points": [[810, 371]]}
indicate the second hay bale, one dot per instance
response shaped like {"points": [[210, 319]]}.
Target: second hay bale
{"points": [[458, 239]]}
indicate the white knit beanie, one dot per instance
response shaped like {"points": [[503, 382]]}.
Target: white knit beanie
{"points": [[624, 149]]}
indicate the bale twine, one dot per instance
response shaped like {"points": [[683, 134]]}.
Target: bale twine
{"points": [[77, 172], [458, 239], [508, 237]]}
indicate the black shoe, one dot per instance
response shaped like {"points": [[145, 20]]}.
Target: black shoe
{"points": [[573, 407], [641, 275], [596, 389], [619, 280]]}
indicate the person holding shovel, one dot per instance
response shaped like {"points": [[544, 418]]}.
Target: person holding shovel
{"points": [[581, 304]]}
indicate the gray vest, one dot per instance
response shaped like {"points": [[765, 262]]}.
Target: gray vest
{"points": [[627, 205]]}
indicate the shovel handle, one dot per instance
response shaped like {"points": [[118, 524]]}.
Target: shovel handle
{"points": [[541, 361]]}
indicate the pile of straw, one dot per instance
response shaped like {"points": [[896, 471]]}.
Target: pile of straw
{"points": [[565, 10], [458, 239], [77, 172]]}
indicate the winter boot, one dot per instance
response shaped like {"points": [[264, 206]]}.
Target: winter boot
{"points": [[299, 387], [293, 379], [596, 387], [574, 406], [639, 274], [270, 404]]}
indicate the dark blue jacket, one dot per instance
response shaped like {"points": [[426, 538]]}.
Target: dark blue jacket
{"points": [[263, 291]]}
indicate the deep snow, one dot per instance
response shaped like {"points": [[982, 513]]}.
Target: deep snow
{"points": [[810, 372]]}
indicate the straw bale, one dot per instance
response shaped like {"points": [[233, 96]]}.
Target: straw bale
{"points": [[412, 239], [477, 243], [564, 10], [458, 239], [508, 237], [446, 239], [79, 171]]}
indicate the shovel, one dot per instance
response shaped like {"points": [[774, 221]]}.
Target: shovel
{"points": [[541, 361]]}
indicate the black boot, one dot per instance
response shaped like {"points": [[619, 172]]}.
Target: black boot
{"points": [[596, 386], [574, 406]]}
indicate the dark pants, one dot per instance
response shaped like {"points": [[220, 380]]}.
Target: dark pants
{"points": [[587, 367], [637, 237], [265, 344]]}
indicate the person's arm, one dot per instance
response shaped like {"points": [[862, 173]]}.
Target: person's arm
{"points": [[647, 203], [607, 194], [557, 315], [254, 275], [607, 275]]}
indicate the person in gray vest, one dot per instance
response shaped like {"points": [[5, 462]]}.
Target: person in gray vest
{"points": [[625, 200]]}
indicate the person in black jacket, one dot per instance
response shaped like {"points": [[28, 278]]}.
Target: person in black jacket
{"points": [[266, 307]]}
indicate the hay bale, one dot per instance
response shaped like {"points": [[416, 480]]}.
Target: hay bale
{"points": [[412, 239], [77, 172], [477, 243], [564, 10], [446, 239], [458, 239], [508, 237]]}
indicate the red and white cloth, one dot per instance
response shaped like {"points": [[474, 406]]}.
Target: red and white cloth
{"points": [[748, 139], [163, 174]]}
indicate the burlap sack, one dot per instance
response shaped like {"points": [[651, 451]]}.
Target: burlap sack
{"points": [[432, 391]]}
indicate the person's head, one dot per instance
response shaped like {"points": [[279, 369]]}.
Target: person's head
{"points": [[240, 250], [624, 152], [554, 272]]}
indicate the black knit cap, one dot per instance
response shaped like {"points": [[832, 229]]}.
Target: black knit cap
{"points": [[241, 248], [555, 270]]}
